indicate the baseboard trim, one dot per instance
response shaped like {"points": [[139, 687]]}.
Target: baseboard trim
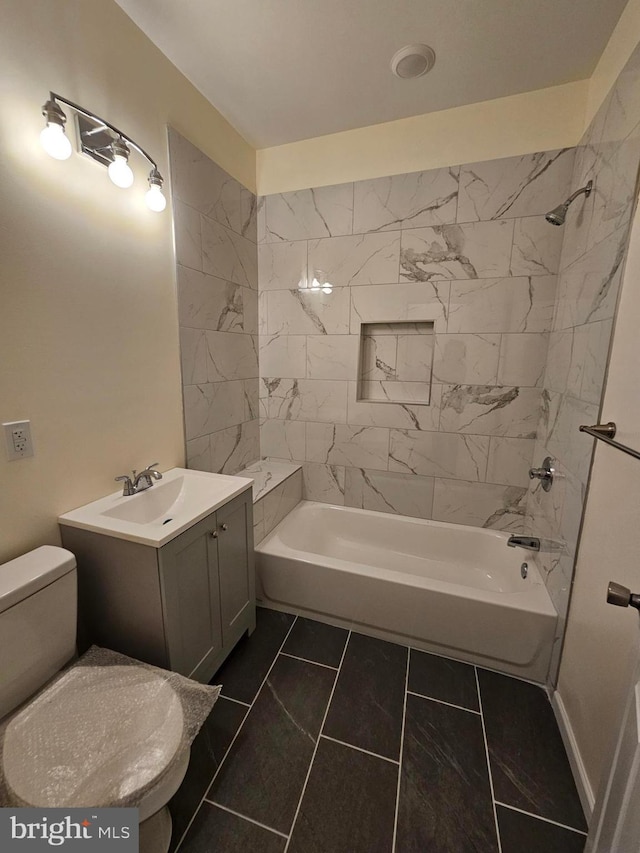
{"points": [[585, 790]]}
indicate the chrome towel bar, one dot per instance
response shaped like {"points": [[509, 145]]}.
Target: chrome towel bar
{"points": [[606, 433]]}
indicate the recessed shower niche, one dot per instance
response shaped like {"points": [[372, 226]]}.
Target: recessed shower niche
{"points": [[395, 363]]}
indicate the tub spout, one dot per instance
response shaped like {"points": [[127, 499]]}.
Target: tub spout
{"points": [[530, 543]]}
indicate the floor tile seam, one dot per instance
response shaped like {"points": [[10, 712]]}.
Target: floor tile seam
{"points": [[237, 701], [360, 749], [227, 751], [404, 717], [245, 817], [540, 817], [306, 660], [442, 702], [486, 750], [315, 751], [215, 773]]}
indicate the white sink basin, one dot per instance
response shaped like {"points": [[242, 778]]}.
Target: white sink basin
{"points": [[157, 515]]}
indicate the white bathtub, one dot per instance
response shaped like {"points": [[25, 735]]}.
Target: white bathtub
{"points": [[445, 588]]}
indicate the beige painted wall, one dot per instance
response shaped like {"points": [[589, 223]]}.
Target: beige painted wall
{"points": [[595, 664], [88, 319], [614, 57], [505, 127]]}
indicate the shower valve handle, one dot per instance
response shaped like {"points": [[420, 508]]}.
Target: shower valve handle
{"points": [[544, 474]]}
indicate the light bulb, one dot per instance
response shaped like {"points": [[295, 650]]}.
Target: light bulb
{"points": [[155, 199], [55, 141], [120, 172]]}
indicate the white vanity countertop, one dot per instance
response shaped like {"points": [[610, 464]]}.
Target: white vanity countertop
{"points": [[159, 514]]}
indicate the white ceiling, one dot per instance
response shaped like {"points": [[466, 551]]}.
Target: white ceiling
{"points": [[284, 70]]}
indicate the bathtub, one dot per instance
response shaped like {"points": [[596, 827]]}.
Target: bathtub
{"points": [[445, 588]]}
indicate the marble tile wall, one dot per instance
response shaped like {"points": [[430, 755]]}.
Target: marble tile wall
{"points": [[465, 248], [593, 252], [217, 276]]}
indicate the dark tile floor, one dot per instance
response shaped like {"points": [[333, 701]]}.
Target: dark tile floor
{"points": [[327, 741]]}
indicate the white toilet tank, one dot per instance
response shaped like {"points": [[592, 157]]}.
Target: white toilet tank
{"points": [[38, 614]]}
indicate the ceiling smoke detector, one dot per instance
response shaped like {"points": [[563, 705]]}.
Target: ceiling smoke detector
{"points": [[413, 60]]}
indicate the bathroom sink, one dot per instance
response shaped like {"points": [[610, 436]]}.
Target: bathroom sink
{"points": [[157, 515]]}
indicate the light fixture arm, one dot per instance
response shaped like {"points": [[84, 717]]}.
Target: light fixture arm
{"points": [[54, 97]]}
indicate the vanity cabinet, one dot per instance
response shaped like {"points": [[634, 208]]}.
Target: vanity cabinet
{"points": [[182, 606]]}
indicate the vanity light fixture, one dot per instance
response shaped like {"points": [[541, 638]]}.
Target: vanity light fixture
{"points": [[102, 141], [53, 138], [119, 169]]}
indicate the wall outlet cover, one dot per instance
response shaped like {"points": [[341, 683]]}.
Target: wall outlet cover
{"points": [[18, 440]]}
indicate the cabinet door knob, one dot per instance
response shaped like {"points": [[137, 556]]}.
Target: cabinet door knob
{"points": [[214, 534], [224, 526]]}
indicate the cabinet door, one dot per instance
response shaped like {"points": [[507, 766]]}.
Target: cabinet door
{"points": [[191, 599], [235, 566]]}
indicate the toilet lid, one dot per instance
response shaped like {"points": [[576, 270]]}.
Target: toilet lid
{"points": [[96, 737]]}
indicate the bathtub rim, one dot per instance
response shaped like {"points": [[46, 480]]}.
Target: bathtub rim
{"points": [[535, 594]]}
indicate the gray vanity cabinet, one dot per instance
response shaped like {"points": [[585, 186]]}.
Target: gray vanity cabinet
{"points": [[182, 606]]}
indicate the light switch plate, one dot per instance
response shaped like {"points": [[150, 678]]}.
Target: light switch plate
{"points": [[18, 439]]}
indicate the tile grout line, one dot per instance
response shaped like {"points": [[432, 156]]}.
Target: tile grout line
{"points": [[442, 702], [306, 660], [486, 750], [313, 757], [244, 719], [539, 817], [244, 817], [404, 717], [237, 701], [360, 749]]}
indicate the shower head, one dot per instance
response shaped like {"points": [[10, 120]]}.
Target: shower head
{"points": [[558, 215]]}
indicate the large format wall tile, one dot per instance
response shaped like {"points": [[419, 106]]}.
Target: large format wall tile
{"points": [[389, 491], [303, 215], [341, 444], [213, 406], [469, 359], [386, 303], [228, 255], [486, 410], [332, 356], [522, 359], [202, 184], [514, 186], [480, 504], [205, 302], [217, 280], [283, 266], [405, 201], [439, 454], [188, 236], [536, 247], [234, 448], [361, 259], [476, 250], [283, 439], [588, 289], [324, 483], [283, 355], [307, 312], [231, 356], [502, 304], [307, 400], [399, 415]]}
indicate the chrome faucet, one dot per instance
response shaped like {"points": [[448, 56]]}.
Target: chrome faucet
{"points": [[140, 482], [529, 543]]}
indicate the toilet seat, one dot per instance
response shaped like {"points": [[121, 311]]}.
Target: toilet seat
{"points": [[98, 736]]}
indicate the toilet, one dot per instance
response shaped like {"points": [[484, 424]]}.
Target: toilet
{"points": [[38, 610]]}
